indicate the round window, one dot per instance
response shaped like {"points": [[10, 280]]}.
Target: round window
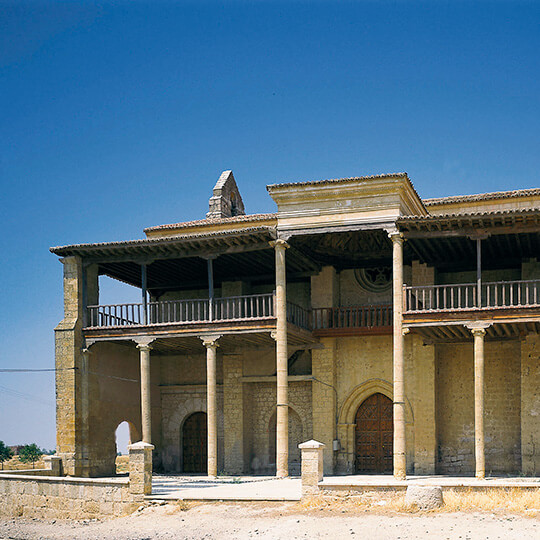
{"points": [[378, 279]]}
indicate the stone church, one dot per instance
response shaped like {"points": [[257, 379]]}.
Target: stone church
{"points": [[401, 332]]}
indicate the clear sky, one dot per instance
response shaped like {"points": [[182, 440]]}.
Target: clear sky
{"points": [[119, 115]]}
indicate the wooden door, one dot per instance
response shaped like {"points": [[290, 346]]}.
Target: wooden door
{"points": [[374, 435], [194, 444]]}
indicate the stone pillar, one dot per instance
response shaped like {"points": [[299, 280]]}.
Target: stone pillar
{"points": [[211, 344], [85, 413], [282, 428], [400, 460], [146, 396], [68, 346], [312, 466], [479, 331], [140, 469]]}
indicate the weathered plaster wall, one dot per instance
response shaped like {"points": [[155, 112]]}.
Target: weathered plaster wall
{"points": [[114, 397], [455, 407], [530, 404]]}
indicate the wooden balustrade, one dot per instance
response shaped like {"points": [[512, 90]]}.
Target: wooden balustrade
{"points": [[371, 316], [298, 316], [467, 296], [255, 306], [418, 299]]}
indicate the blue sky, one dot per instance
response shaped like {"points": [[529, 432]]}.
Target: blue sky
{"points": [[119, 115]]}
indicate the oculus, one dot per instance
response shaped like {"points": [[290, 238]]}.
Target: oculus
{"points": [[377, 279]]}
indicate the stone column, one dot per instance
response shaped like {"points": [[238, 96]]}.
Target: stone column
{"points": [[211, 344], [312, 466], [400, 464], [479, 331], [282, 428], [85, 412], [146, 397]]}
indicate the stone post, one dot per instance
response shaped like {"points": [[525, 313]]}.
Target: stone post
{"points": [[312, 466], [400, 460], [54, 464], [211, 344], [146, 397], [140, 469], [282, 428]]}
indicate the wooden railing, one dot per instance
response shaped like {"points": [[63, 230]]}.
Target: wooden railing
{"points": [[298, 316], [371, 316], [115, 315], [255, 306], [468, 296]]}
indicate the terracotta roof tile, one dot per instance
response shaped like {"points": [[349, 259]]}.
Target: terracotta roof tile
{"points": [[482, 196], [213, 221], [336, 180]]}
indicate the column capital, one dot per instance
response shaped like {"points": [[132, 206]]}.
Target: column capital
{"points": [[211, 341], [144, 343], [396, 236], [279, 243], [478, 328]]}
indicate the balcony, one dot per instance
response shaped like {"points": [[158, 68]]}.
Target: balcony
{"points": [[352, 320], [236, 309], [497, 299]]}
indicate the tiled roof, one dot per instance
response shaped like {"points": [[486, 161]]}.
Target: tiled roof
{"points": [[469, 215], [66, 250], [483, 196], [337, 180], [214, 221]]}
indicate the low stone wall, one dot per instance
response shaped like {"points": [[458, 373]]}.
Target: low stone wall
{"points": [[44, 494], [53, 497]]}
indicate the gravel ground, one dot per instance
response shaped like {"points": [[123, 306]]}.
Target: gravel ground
{"points": [[278, 521]]}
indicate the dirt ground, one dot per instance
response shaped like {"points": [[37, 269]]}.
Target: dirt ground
{"points": [[278, 521]]}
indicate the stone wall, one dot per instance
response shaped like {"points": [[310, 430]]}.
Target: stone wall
{"points": [[530, 404], [177, 404], [114, 397], [49, 497], [259, 415], [455, 408]]}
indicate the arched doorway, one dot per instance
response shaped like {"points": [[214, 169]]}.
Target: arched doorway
{"points": [[194, 443], [374, 435]]}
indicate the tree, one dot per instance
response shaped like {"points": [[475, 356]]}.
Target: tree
{"points": [[6, 453], [30, 453]]}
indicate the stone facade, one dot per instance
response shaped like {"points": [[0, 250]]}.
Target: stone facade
{"points": [[330, 374]]}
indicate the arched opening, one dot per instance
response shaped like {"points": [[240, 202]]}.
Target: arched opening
{"points": [[123, 437], [194, 443], [296, 437], [374, 435]]}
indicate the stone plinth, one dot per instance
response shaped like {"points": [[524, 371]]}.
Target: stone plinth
{"points": [[140, 469], [312, 466]]}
